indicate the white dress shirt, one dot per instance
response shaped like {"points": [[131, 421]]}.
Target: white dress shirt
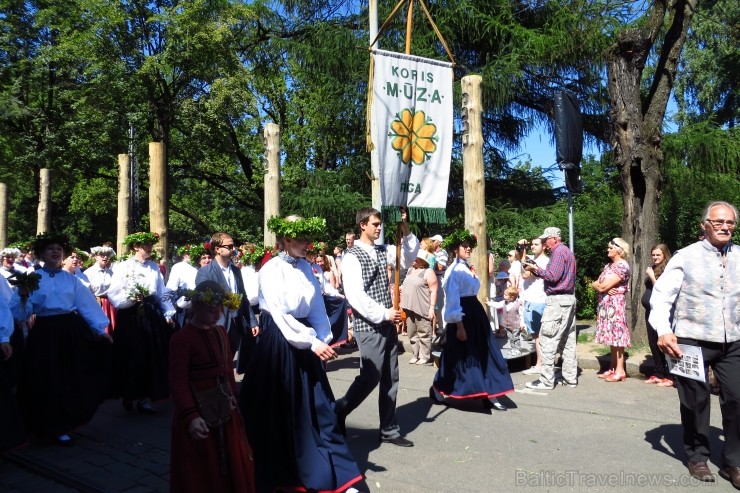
{"points": [[354, 288]]}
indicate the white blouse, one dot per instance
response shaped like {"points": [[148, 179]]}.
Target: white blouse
{"points": [[100, 279], [6, 320], [289, 293], [459, 281], [131, 272], [60, 293]]}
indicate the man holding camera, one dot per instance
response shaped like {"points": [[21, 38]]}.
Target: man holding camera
{"points": [[559, 317]]}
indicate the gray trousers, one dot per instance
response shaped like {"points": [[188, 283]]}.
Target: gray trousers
{"points": [[559, 324], [378, 365]]}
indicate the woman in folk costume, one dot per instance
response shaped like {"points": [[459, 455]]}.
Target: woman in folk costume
{"points": [[66, 359], [18, 336], [209, 450], [286, 400], [182, 276], [143, 326], [100, 276], [471, 365], [12, 433]]}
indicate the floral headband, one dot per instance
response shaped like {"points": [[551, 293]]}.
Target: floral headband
{"points": [[141, 238], [103, 250], [229, 300], [459, 237], [45, 239], [310, 228], [10, 252]]}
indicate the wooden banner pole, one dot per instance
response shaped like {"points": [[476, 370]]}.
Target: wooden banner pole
{"points": [[409, 26]]}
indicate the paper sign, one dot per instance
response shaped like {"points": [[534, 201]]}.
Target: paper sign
{"points": [[690, 365]]}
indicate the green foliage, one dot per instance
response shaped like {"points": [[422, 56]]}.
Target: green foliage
{"points": [[313, 228], [706, 87], [703, 155], [587, 298]]}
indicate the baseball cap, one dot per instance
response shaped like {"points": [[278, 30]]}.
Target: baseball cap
{"points": [[437, 238], [549, 232]]}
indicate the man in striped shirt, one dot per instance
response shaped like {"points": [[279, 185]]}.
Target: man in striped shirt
{"points": [[559, 317]]}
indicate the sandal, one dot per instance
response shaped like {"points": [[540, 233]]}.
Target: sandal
{"points": [[606, 374], [666, 382], [654, 380], [616, 377]]}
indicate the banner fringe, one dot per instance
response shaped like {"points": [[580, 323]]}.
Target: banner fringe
{"points": [[426, 215]]}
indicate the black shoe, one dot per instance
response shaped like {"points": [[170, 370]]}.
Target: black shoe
{"points": [[494, 404], [128, 405], [145, 407], [399, 441], [348, 344]]}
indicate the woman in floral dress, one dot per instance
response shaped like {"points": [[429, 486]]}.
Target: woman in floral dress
{"points": [[611, 324]]}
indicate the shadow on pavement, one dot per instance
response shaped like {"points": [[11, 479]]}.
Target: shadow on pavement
{"points": [[668, 439]]}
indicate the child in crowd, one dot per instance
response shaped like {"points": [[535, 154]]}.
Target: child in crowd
{"points": [[501, 281], [509, 319]]}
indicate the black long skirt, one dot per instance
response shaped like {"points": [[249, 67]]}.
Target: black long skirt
{"points": [[288, 410], [12, 431], [474, 368], [66, 370], [336, 311], [140, 352]]}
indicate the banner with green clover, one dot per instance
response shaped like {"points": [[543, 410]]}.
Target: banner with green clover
{"points": [[412, 106]]}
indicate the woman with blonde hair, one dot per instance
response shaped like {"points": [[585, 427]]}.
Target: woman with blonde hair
{"points": [[611, 325], [286, 399]]}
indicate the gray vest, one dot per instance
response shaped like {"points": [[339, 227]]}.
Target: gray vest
{"points": [[375, 284]]}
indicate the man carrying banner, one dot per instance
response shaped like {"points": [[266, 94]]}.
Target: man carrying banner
{"points": [[367, 290]]}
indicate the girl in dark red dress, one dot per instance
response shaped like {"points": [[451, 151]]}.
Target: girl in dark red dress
{"points": [[206, 458]]}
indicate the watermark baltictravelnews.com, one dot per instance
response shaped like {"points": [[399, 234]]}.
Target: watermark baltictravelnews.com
{"points": [[578, 478]]}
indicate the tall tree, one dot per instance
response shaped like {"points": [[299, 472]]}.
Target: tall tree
{"points": [[638, 99]]}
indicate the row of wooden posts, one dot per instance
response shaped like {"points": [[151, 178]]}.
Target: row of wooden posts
{"points": [[473, 186]]}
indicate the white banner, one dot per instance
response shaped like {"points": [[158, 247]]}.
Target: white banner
{"points": [[412, 105]]}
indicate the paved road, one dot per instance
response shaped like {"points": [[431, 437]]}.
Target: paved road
{"points": [[598, 437]]}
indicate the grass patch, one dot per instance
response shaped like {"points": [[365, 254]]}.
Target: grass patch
{"points": [[585, 337]]}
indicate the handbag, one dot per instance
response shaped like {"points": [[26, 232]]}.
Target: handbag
{"points": [[216, 404]]}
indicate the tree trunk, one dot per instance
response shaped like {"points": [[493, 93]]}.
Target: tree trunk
{"points": [[43, 221], [158, 213], [124, 197], [636, 120], [3, 215], [473, 183], [271, 139]]}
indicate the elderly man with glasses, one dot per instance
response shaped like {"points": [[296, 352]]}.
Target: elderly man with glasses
{"points": [[559, 318], [695, 303], [241, 325]]}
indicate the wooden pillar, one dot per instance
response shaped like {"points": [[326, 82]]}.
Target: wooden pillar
{"points": [[124, 195], [158, 213], [3, 215], [473, 182], [271, 139], [43, 221]]}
